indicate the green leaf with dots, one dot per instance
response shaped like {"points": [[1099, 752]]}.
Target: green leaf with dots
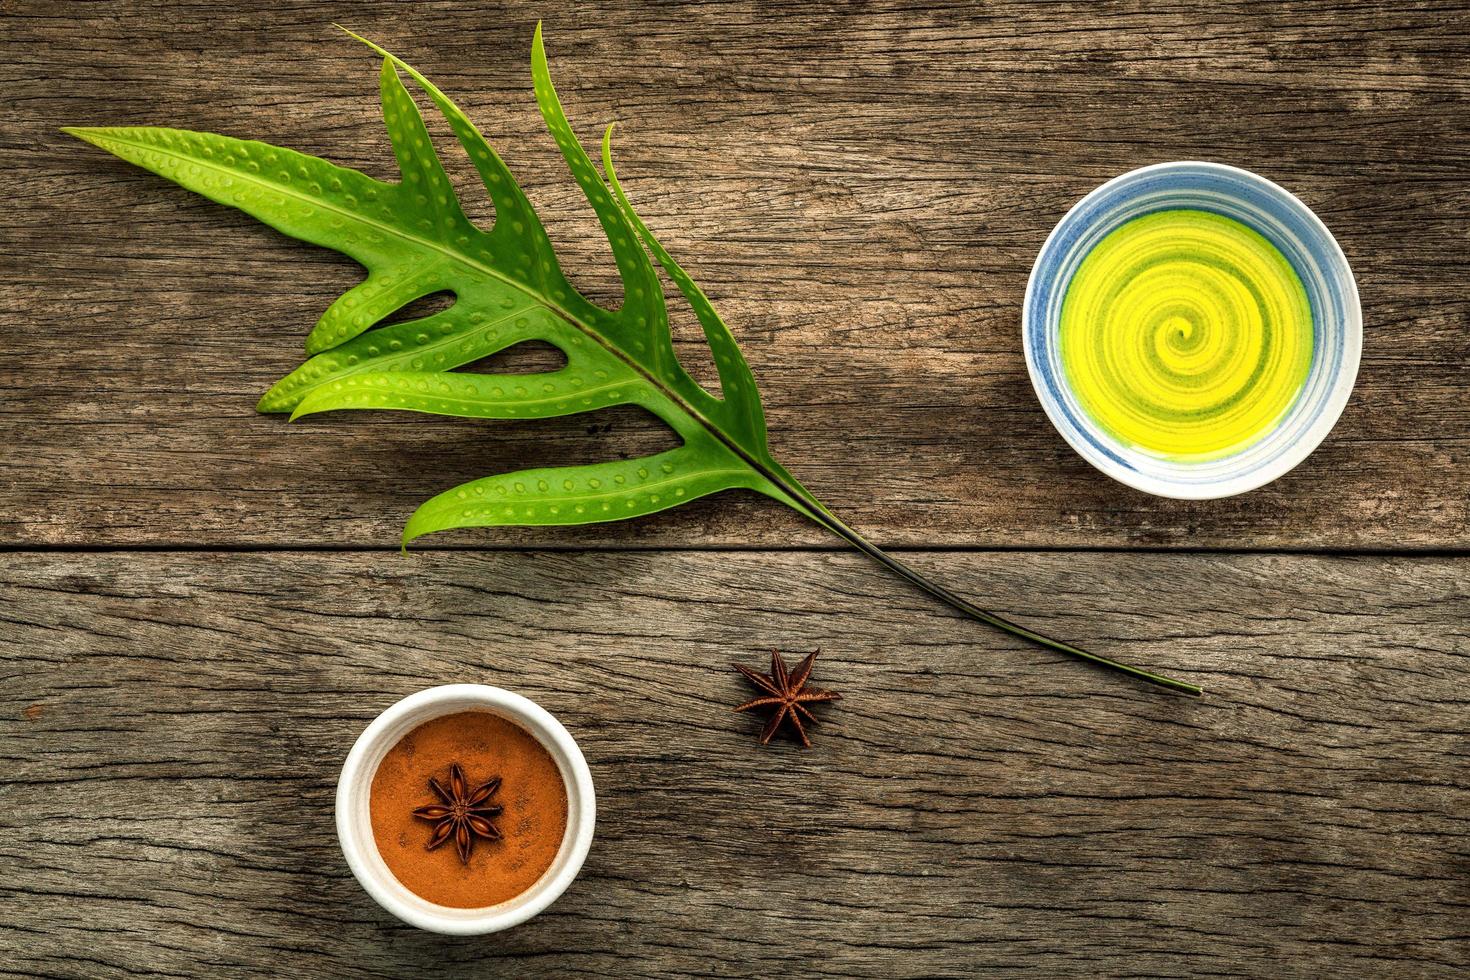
{"points": [[413, 239]]}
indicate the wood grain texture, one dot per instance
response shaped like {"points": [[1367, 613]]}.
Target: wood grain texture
{"points": [[172, 726], [862, 187]]}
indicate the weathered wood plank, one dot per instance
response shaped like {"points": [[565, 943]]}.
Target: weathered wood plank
{"points": [[172, 725], [861, 187]]}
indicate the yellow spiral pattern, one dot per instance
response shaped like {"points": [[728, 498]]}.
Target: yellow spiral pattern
{"points": [[1186, 334]]}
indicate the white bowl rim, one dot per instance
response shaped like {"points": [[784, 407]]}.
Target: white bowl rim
{"points": [[1305, 445], [354, 829]]}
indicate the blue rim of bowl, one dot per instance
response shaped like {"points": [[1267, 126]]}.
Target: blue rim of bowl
{"points": [[1278, 215]]}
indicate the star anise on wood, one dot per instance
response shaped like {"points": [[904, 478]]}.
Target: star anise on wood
{"points": [[786, 692], [464, 813]]}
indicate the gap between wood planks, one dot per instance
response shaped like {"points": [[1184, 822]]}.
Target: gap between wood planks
{"points": [[836, 546]]}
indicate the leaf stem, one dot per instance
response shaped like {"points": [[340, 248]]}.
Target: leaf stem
{"points": [[819, 513]]}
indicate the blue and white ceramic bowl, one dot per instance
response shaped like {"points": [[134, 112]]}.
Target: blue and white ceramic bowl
{"points": [[1337, 323]]}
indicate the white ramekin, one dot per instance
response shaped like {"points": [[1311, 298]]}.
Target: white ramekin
{"points": [[354, 822]]}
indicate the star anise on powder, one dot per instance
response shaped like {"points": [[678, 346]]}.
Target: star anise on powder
{"points": [[464, 813], [786, 692]]}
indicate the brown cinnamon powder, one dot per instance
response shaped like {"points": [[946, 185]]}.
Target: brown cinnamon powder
{"points": [[532, 824]]}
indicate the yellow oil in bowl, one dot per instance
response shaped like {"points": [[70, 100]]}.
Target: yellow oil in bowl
{"points": [[1186, 334]]}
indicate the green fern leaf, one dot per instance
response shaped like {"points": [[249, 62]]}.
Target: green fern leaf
{"points": [[414, 239]]}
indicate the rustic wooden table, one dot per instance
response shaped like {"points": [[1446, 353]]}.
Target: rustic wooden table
{"points": [[202, 607]]}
